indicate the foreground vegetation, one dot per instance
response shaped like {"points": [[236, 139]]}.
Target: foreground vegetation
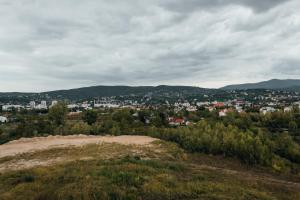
{"points": [[163, 171]]}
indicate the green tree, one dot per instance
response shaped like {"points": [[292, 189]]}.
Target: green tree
{"points": [[293, 127], [57, 114], [90, 116]]}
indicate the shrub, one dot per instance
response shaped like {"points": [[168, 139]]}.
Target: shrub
{"points": [[80, 128]]}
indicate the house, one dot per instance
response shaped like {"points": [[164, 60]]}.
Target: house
{"points": [[265, 110], [85, 105], [191, 108], [239, 102], [218, 104], [297, 104], [238, 108], [176, 121], [223, 113], [288, 109], [186, 104], [210, 108], [200, 104], [188, 123], [74, 113], [3, 119]]}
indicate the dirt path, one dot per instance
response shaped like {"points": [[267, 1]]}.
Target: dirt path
{"points": [[26, 145]]}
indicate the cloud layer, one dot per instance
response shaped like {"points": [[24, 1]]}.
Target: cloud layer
{"points": [[53, 44]]}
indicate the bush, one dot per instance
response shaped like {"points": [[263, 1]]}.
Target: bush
{"points": [[115, 130], [81, 128], [97, 129]]}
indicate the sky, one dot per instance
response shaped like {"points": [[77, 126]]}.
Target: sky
{"points": [[60, 44]]}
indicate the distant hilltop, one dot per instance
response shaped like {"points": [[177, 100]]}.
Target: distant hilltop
{"points": [[107, 91], [161, 91], [289, 84]]}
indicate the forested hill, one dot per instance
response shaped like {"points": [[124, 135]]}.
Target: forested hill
{"points": [[288, 84], [103, 91]]}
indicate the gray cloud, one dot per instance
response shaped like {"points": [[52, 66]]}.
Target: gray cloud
{"points": [[52, 44], [192, 5], [289, 67]]}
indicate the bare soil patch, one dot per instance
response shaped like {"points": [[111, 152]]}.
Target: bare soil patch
{"points": [[26, 145]]}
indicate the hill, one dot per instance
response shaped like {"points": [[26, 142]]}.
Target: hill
{"points": [[103, 91], [291, 84], [106, 91], [158, 170]]}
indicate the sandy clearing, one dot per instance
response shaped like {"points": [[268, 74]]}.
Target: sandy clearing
{"points": [[25, 145]]}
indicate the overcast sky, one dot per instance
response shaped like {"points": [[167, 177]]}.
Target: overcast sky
{"points": [[58, 44]]}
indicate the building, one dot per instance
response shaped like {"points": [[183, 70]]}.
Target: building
{"points": [[223, 113], [218, 104], [265, 110], [106, 105], [11, 107], [201, 104], [186, 104], [86, 106], [191, 108], [176, 121], [42, 106], [210, 108], [3, 119], [288, 109], [53, 103], [297, 104], [72, 106], [32, 105], [238, 108]]}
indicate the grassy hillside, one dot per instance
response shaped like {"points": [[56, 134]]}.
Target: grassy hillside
{"points": [[161, 171]]}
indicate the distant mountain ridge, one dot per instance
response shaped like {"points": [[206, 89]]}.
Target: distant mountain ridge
{"points": [[288, 84], [104, 91], [159, 91], [107, 91]]}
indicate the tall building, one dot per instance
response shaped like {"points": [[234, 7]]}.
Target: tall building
{"points": [[32, 104], [44, 103]]}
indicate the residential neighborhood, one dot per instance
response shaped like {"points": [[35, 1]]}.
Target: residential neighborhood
{"points": [[261, 101]]}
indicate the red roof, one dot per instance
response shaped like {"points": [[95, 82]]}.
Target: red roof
{"points": [[219, 104], [179, 120]]}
